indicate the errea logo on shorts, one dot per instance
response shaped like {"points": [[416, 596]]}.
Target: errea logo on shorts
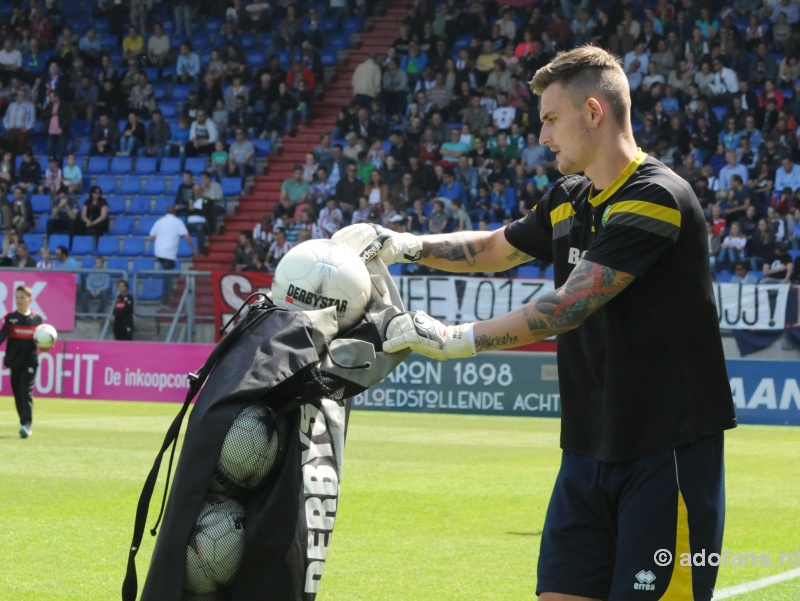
{"points": [[645, 581]]}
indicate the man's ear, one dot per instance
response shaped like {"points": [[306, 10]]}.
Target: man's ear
{"points": [[594, 112]]}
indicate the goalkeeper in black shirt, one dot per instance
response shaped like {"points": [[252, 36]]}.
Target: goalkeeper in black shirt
{"points": [[20, 358], [645, 395]]}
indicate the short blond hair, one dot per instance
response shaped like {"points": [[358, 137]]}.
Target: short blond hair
{"points": [[585, 71]]}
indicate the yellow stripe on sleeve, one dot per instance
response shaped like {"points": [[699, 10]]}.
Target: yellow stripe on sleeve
{"points": [[561, 212], [647, 209]]}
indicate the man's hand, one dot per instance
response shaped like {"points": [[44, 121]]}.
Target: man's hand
{"points": [[401, 248], [419, 332]]}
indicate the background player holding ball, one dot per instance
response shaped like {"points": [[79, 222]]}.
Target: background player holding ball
{"points": [[25, 331], [644, 390]]}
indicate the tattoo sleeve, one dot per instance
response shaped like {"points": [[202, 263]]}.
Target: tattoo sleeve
{"points": [[457, 250], [589, 287]]}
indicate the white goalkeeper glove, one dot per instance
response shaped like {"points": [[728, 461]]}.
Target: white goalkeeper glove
{"points": [[400, 248], [420, 332]]}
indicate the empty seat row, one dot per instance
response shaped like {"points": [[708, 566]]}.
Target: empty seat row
{"points": [[107, 246]]}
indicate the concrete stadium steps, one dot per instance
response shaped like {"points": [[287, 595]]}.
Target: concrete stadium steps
{"points": [[380, 31]]}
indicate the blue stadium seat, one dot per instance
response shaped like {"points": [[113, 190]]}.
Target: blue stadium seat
{"points": [[174, 184], [723, 277], [353, 25], [139, 205], [196, 165], [169, 110], [130, 184], [116, 204], [213, 24], [462, 42], [256, 59], [549, 272], [122, 225], [87, 262], [395, 269], [145, 224], [248, 41], [329, 58], [108, 40], [176, 39], [101, 26], [82, 245], [108, 246], [162, 202], [231, 186], [150, 289], [141, 263], [56, 240], [329, 24], [495, 225], [160, 92], [120, 263], [720, 111], [81, 128], [133, 246], [180, 92], [170, 166], [107, 183], [200, 40], [40, 203], [41, 224], [97, 166], [338, 41], [34, 242], [183, 247], [155, 185], [146, 165], [121, 165], [284, 56], [84, 147], [263, 147]]}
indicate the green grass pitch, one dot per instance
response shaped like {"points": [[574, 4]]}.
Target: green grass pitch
{"points": [[433, 507]]}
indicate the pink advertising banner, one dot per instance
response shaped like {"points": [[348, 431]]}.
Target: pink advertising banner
{"points": [[53, 295], [115, 371]]}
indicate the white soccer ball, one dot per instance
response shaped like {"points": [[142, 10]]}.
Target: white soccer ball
{"points": [[216, 545], [320, 273], [248, 453], [45, 336]]}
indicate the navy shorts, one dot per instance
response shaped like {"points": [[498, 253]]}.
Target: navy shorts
{"points": [[621, 531]]}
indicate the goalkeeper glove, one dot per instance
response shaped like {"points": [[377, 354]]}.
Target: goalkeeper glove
{"points": [[420, 332], [401, 248]]}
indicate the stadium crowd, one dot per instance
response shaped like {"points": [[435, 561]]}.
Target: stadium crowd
{"points": [[441, 133]]}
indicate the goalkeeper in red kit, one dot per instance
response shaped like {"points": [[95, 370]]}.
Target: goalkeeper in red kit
{"points": [[21, 359]]}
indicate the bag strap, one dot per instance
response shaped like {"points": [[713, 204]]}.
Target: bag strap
{"points": [[256, 312]]}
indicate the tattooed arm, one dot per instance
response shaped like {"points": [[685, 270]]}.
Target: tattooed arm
{"points": [[589, 287], [471, 251]]}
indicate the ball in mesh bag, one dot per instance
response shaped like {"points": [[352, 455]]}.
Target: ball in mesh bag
{"points": [[216, 545], [248, 452], [322, 273]]}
